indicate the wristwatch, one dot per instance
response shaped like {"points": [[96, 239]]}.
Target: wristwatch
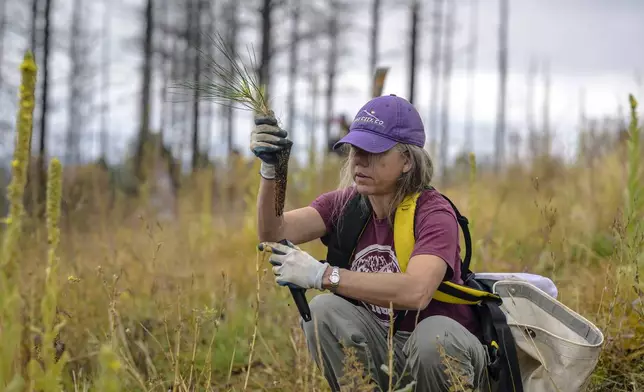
{"points": [[334, 278]]}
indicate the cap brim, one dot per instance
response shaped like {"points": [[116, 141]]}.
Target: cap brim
{"points": [[367, 141]]}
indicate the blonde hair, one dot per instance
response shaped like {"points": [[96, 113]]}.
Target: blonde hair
{"points": [[415, 180]]}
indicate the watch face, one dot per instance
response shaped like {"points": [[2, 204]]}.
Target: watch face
{"points": [[334, 278]]}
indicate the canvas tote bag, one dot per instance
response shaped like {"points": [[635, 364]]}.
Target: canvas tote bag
{"points": [[558, 349]]}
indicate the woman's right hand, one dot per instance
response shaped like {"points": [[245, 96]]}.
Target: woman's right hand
{"points": [[267, 139]]}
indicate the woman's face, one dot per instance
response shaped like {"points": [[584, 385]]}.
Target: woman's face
{"points": [[377, 174]]}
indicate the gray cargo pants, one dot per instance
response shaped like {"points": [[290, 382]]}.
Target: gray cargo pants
{"points": [[416, 354]]}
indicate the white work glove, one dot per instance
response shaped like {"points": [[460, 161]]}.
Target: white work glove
{"points": [[294, 267]]}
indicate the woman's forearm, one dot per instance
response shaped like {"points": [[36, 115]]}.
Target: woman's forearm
{"points": [[380, 289], [269, 226]]}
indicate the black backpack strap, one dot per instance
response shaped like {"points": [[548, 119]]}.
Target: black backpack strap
{"points": [[342, 240], [499, 341]]}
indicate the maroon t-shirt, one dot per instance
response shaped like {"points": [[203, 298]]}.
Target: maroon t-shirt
{"points": [[437, 233]]}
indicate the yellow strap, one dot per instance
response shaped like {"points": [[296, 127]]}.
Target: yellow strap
{"points": [[404, 241], [404, 238]]}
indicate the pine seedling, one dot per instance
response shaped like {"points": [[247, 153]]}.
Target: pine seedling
{"points": [[234, 84]]}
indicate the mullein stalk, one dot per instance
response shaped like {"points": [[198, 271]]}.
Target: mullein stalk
{"points": [[634, 198], [10, 302], [48, 377]]}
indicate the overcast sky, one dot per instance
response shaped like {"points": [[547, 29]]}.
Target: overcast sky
{"points": [[589, 45]]}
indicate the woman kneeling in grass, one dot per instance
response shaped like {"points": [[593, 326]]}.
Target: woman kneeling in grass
{"points": [[387, 161]]}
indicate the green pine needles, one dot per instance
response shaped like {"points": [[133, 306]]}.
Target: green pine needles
{"points": [[230, 82]]}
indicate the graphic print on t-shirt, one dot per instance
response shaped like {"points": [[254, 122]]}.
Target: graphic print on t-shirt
{"points": [[376, 258]]}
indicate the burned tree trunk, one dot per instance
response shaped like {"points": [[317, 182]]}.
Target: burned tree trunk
{"points": [[546, 147], [266, 50], [293, 64], [332, 65], [530, 116], [415, 6], [232, 18], [3, 18], [437, 33], [471, 69], [499, 145], [144, 106], [35, 13], [375, 29], [105, 76], [44, 103], [447, 75], [209, 110], [73, 125], [196, 39]]}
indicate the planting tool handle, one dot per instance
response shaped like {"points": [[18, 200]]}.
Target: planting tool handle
{"points": [[298, 295]]}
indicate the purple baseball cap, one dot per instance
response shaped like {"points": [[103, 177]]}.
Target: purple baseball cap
{"points": [[382, 122]]}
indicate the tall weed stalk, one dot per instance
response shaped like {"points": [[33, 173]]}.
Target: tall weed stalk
{"points": [[633, 218], [47, 377], [10, 303]]}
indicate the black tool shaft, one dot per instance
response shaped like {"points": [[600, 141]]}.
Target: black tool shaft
{"points": [[299, 297], [301, 303]]}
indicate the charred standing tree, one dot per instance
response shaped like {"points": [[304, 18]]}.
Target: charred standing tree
{"points": [[35, 14], [74, 82], [145, 103], [471, 69], [195, 24], [186, 63], [314, 120], [499, 145], [105, 76], [332, 67], [436, 56], [293, 64], [35, 44], [375, 29], [546, 146], [209, 112], [447, 78], [413, 44], [163, 44], [176, 70], [44, 103], [530, 116], [267, 42], [3, 19], [232, 18]]}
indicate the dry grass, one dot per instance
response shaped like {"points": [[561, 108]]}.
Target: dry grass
{"points": [[180, 302], [187, 305]]}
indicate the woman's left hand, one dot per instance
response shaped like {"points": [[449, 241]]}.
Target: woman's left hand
{"points": [[293, 266]]}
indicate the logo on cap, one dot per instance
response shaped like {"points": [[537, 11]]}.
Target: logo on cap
{"points": [[369, 118]]}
